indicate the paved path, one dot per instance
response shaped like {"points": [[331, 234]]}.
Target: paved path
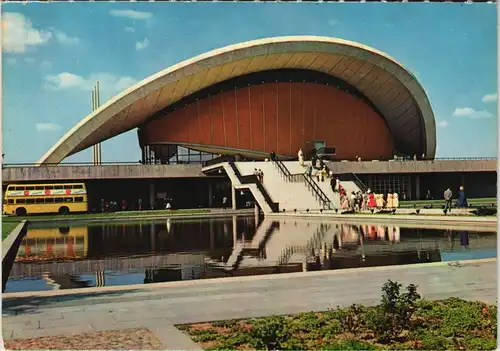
{"points": [[160, 306]]}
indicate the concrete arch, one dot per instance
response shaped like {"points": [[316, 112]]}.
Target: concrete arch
{"points": [[392, 88]]}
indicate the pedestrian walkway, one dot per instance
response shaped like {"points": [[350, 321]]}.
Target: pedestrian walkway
{"points": [[162, 305]]}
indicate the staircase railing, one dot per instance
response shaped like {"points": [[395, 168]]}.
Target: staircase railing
{"points": [[353, 178], [252, 179], [217, 160], [319, 194]]}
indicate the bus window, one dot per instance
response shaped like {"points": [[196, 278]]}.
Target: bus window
{"points": [[39, 188], [68, 199], [39, 200], [19, 188], [58, 187], [30, 201], [10, 201], [30, 188], [79, 199], [78, 186], [20, 201], [59, 199], [49, 187], [49, 199]]}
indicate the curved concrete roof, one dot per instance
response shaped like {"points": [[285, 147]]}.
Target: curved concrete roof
{"points": [[392, 89]]}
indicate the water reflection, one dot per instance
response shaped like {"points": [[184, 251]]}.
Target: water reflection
{"points": [[142, 253]]}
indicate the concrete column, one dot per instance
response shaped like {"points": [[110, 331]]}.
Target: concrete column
{"points": [[152, 234], [417, 188], [235, 231], [212, 236], [210, 194], [233, 197], [256, 213], [152, 194]]}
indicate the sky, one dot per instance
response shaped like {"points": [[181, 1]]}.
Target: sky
{"points": [[52, 54]]}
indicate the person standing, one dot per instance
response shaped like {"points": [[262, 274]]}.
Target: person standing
{"points": [[224, 202], [301, 157], [447, 200], [462, 199]]}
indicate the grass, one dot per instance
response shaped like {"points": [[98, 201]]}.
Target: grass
{"points": [[8, 227], [478, 201], [108, 215], [402, 321]]}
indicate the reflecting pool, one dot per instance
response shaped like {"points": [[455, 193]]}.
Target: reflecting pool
{"points": [[63, 257]]}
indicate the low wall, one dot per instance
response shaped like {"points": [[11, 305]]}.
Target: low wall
{"points": [[10, 246], [42, 173], [438, 166]]}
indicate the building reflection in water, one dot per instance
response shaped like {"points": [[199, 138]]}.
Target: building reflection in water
{"points": [[172, 250]]}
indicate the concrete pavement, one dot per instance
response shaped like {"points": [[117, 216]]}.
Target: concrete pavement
{"points": [[162, 305]]}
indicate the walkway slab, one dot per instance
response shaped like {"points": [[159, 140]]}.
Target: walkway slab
{"points": [[160, 306]]}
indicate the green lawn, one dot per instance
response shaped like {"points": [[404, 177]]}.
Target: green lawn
{"points": [[479, 201], [111, 215], [8, 227], [402, 321]]}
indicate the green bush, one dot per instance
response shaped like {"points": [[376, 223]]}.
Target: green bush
{"points": [[394, 314], [350, 345], [475, 343], [269, 333]]}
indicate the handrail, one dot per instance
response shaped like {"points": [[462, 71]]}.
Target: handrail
{"points": [[319, 193], [252, 179], [216, 160], [359, 183]]}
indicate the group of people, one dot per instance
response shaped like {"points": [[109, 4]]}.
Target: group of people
{"points": [[461, 200], [259, 174], [359, 201]]}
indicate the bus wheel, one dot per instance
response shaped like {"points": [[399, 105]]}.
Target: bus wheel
{"points": [[21, 211], [64, 210]]}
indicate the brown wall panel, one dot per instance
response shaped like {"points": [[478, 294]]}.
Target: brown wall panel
{"points": [[296, 116], [257, 115], [322, 126], [309, 114], [284, 119], [270, 116], [243, 110], [204, 121], [217, 118], [193, 128], [230, 119]]}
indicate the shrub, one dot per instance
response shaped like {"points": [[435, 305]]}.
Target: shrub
{"points": [[352, 318], [269, 333], [394, 314], [350, 345]]}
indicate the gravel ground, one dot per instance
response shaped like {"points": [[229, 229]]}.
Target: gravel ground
{"points": [[126, 339]]}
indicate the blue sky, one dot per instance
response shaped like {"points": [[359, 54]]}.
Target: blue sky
{"points": [[54, 52]]}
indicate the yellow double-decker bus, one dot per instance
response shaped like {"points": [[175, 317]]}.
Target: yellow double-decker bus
{"points": [[26, 199]]}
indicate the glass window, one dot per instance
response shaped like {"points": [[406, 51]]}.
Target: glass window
{"points": [[78, 186], [58, 187], [20, 201], [49, 200], [59, 199], [68, 199], [18, 188], [10, 201], [30, 188], [39, 188], [79, 199], [40, 200], [30, 201], [49, 187]]}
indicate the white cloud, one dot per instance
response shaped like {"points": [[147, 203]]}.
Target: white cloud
{"points": [[471, 113], [140, 45], [443, 124], [489, 98], [47, 127], [136, 15], [108, 83], [65, 39], [19, 34], [130, 29]]}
